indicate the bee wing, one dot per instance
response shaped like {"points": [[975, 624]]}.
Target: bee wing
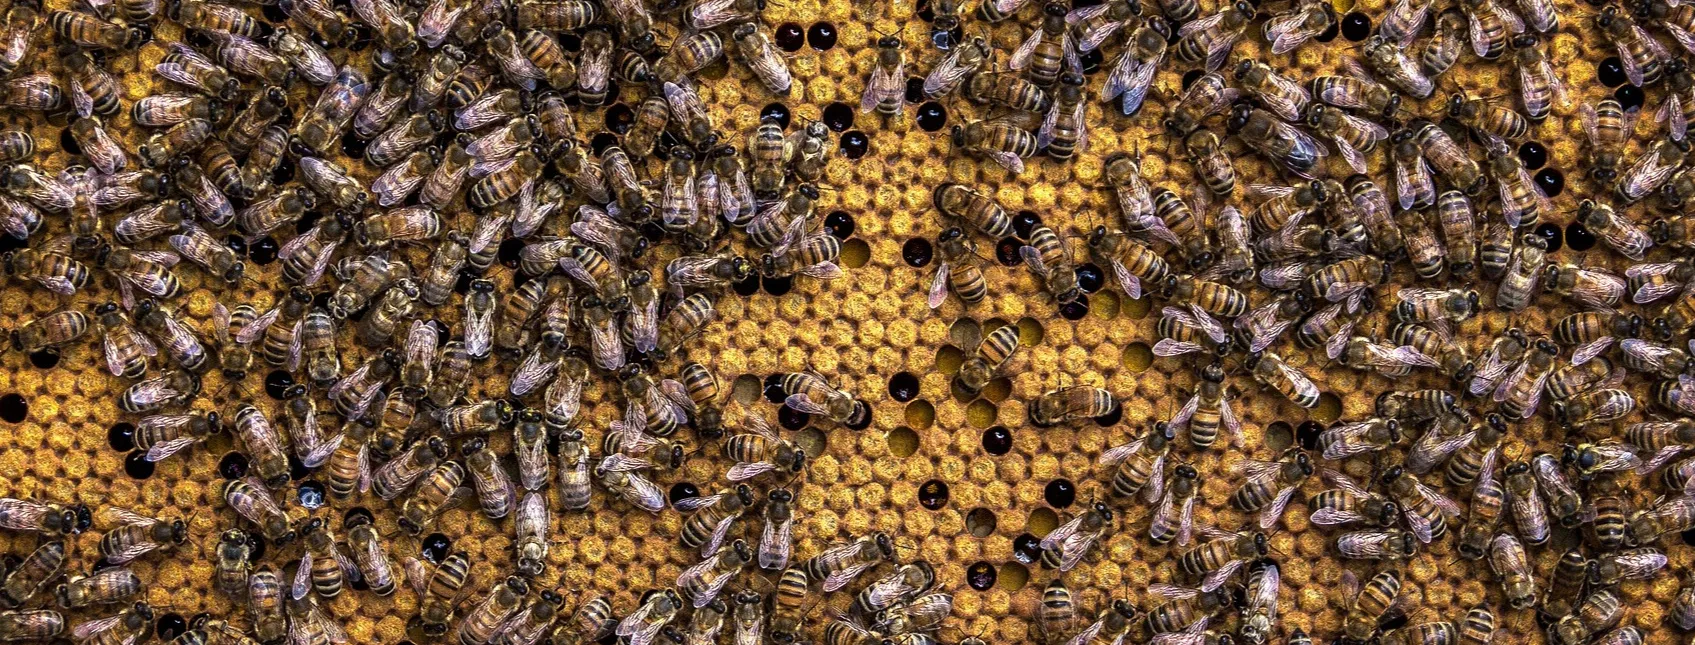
{"points": [[1338, 442], [1072, 552], [321, 453], [1181, 420], [693, 504], [164, 449], [801, 403], [1156, 482], [720, 532], [947, 74], [1007, 160], [678, 395], [884, 85], [775, 543], [1411, 182], [1660, 458], [1135, 87], [1060, 535], [1588, 351], [1332, 517], [822, 271], [748, 470], [938, 292], [1118, 454], [1232, 424], [1033, 259], [1044, 135], [90, 629], [294, 347], [302, 576], [1215, 578], [839, 579], [1132, 285], [1274, 512], [1021, 56], [1442, 503]]}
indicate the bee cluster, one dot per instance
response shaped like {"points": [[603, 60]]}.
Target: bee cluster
{"points": [[518, 318]]}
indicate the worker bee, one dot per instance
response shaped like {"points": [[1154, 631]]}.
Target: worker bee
{"points": [[1349, 503], [972, 207], [1391, 545], [1352, 135], [31, 575], [1065, 546], [992, 354], [231, 561], [1001, 141], [957, 271], [1269, 485], [885, 91], [104, 587], [1280, 142], [1070, 403], [1210, 39], [1271, 370], [126, 349], [1424, 508], [174, 387], [1539, 87], [137, 535], [1450, 35], [1063, 132], [1360, 437], [1597, 613], [52, 267], [37, 92], [621, 475], [1183, 608]]}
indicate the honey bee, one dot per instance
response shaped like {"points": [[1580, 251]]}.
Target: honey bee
{"points": [[1207, 154], [136, 535], [961, 63], [702, 582], [128, 625], [1070, 403], [440, 591], [1272, 371], [52, 267], [1392, 545], [1183, 608], [249, 498], [31, 575], [483, 622], [1449, 39], [1001, 141], [1349, 503], [1360, 437], [174, 387], [885, 90], [972, 207], [1063, 132], [1530, 513], [1269, 485], [1597, 613], [37, 92], [1210, 39], [1292, 149], [104, 587], [646, 622], [1539, 87], [1065, 547], [91, 32]]}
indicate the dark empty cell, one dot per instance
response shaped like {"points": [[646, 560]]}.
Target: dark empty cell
{"points": [[840, 225], [257, 544], [774, 389], [1610, 71], [283, 173], [1026, 548], [1307, 434], [305, 223], [839, 116], [277, 383], [917, 252], [233, 466], [855, 144], [792, 419], [1090, 278], [1091, 61], [1532, 154], [1060, 493], [1111, 418], [1006, 251], [1629, 97], [355, 516], [121, 437], [442, 331], [652, 232], [683, 490], [1356, 26], [310, 494], [1329, 33], [352, 145], [570, 42], [1191, 76], [1076, 309], [274, 15], [747, 287], [462, 284], [1393, 620], [170, 626], [45, 359], [914, 94], [1024, 222], [777, 286], [822, 36], [925, 12], [356, 580], [981, 576], [9, 243], [510, 252], [1550, 233], [99, 565], [861, 418], [776, 111], [619, 118], [69, 143], [997, 440], [903, 387], [1579, 238], [933, 494], [1689, 537], [13, 408], [137, 466], [946, 39], [790, 37], [264, 251], [602, 141], [1551, 181], [435, 547], [932, 116]]}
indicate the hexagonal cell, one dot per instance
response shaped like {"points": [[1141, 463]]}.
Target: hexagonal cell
{"points": [[1031, 332], [920, 414], [1041, 521], [903, 441], [981, 413], [996, 390], [980, 522], [1328, 410], [1013, 576], [1279, 435], [1105, 304], [746, 389], [855, 253], [1137, 357], [948, 359], [965, 333], [1136, 308], [812, 440]]}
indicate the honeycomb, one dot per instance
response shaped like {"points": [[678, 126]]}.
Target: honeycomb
{"points": [[860, 331]]}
